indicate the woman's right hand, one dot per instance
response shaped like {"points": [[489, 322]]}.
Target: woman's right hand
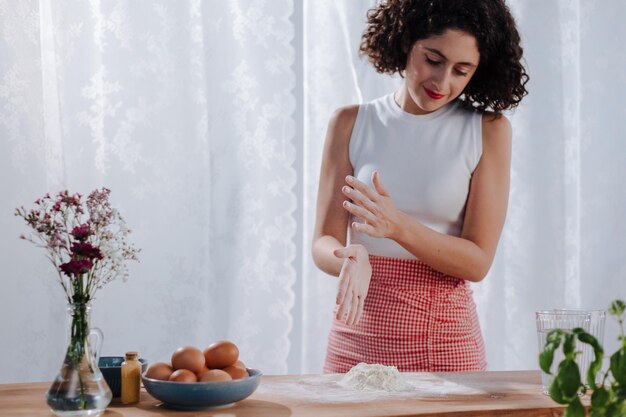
{"points": [[354, 282]]}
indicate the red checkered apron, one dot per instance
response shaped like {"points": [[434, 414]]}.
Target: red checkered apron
{"points": [[414, 318]]}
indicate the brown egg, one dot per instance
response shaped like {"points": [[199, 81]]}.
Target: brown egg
{"points": [[188, 357], [183, 375], [215, 375], [236, 372], [159, 370], [202, 372], [240, 364], [221, 354]]}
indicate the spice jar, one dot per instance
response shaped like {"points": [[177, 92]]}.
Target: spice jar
{"points": [[131, 377]]}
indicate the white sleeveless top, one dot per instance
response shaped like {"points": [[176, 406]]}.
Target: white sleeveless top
{"points": [[425, 161]]}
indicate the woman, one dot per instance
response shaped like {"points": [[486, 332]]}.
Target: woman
{"points": [[414, 185]]}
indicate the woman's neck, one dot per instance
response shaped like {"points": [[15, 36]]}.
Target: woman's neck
{"points": [[405, 102]]}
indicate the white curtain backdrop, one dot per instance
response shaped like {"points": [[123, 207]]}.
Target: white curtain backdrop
{"points": [[207, 118], [185, 111]]}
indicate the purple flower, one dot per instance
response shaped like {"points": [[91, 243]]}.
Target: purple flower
{"points": [[82, 232], [85, 250], [65, 201], [76, 267], [85, 233]]}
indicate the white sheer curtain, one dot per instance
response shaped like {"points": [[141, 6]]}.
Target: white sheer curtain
{"points": [[185, 111], [189, 111], [564, 241]]}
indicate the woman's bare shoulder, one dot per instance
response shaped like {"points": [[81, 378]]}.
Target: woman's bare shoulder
{"points": [[495, 125], [342, 121]]}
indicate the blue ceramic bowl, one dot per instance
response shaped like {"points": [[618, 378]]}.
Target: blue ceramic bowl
{"points": [[202, 395], [111, 368]]}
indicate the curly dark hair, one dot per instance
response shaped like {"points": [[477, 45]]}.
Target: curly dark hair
{"points": [[500, 79]]}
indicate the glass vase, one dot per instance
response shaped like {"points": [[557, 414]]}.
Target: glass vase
{"points": [[79, 389]]}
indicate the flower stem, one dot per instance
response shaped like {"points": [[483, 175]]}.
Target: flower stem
{"points": [[79, 333]]}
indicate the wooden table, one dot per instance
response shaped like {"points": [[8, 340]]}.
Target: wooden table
{"points": [[511, 393]]}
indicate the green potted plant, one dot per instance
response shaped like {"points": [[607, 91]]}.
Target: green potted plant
{"points": [[608, 398]]}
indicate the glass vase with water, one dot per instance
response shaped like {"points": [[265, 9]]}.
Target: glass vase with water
{"points": [[79, 389]]}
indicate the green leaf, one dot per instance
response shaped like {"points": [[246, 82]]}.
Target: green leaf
{"points": [[599, 398], [621, 367], [545, 359], [589, 339], [554, 337], [568, 346], [556, 393], [618, 366], [596, 364], [616, 410], [619, 391], [617, 308], [575, 409], [568, 376]]}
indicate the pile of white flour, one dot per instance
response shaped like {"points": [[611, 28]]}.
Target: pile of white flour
{"points": [[384, 384], [374, 377]]}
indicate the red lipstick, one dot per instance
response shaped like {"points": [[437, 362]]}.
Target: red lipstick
{"points": [[433, 95]]}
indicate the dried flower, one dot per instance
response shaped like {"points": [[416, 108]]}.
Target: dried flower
{"points": [[81, 232], [77, 267], [86, 240]]}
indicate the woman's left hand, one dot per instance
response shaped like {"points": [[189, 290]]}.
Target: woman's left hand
{"points": [[373, 206]]}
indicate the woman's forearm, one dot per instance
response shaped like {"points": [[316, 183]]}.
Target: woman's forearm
{"points": [[451, 255], [323, 256]]}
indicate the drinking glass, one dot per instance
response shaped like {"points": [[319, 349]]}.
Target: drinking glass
{"points": [[592, 321]]}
